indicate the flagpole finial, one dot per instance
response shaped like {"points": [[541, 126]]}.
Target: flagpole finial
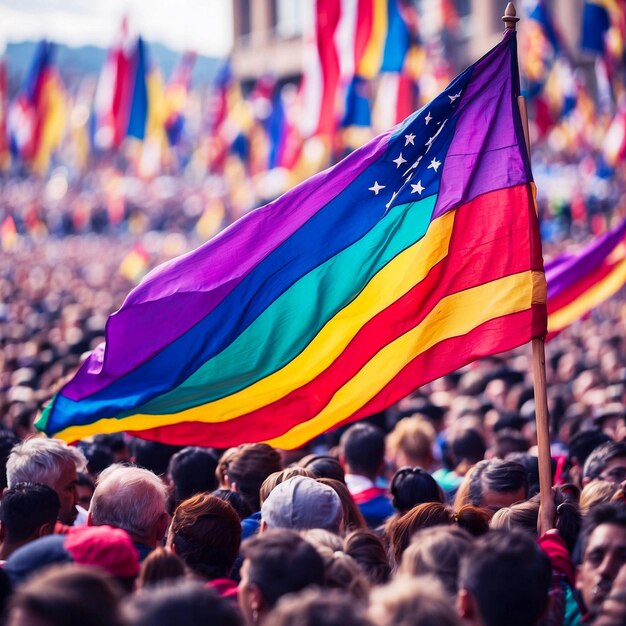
{"points": [[510, 18]]}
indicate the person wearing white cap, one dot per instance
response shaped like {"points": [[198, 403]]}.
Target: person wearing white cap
{"points": [[301, 503]]}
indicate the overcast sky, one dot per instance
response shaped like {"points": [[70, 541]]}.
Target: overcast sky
{"points": [[202, 25]]}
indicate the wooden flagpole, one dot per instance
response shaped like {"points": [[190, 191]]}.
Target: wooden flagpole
{"points": [[546, 516]]}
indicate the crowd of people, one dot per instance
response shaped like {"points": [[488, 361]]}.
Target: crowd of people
{"points": [[426, 514]]}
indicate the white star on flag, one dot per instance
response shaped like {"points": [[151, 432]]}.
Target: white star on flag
{"points": [[376, 188], [428, 118], [434, 164], [399, 161], [429, 143], [409, 139], [454, 97], [393, 197], [417, 188]]}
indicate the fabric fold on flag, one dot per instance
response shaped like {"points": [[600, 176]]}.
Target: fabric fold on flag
{"points": [[415, 255]]}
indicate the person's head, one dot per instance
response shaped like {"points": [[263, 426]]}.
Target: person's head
{"points": [[318, 608], [159, 566], [366, 548], [411, 443], [206, 533], [66, 595], [437, 552], [580, 446], [276, 563], [603, 544], [152, 455], [522, 516], [363, 450], [411, 486], [323, 466], [236, 500], [133, 499], [300, 503], [352, 516], [27, 511], [419, 601], [191, 471], [105, 547], [504, 579], [606, 462], [186, 602], [50, 462], [342, 572], [275, 479], [465, 447], [596, 492], [247, 467], [495, 483], [401, 530]]}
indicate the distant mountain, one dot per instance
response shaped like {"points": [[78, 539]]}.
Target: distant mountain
{"points": [[77, 63]]}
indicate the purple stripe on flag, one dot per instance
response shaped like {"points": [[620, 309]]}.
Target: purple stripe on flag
{"points": [[485, 104], [564, 275], [197, 282]]}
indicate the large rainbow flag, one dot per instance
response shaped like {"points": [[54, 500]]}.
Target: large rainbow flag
{"points": [[579, 282], [415, 255]]}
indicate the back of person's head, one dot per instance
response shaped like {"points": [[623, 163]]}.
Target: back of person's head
{"points": [[499, 477], [192, 471], [466, 445], [98, 457], [580, 446], [130, 498], [522, 516], [300, 503], [367, 549], [411, 442], [437, 552], [41, 460], [352, 516], [320, 538], [186, 602], [472, 519], [160, 565], [323, 466], [275, 479], [508, 441], [236, 500], [505, 578], [411, 486], [342, 572], [596, 492], [206, 533], [363, 449], [28, 511], [402, 529], [248, 466], [277, 563], [317, 608], [419, 601], [599, 459], [66, 595], [152, 455]]}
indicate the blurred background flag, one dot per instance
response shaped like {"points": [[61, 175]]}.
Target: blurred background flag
{"points": [[577, 283]]}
